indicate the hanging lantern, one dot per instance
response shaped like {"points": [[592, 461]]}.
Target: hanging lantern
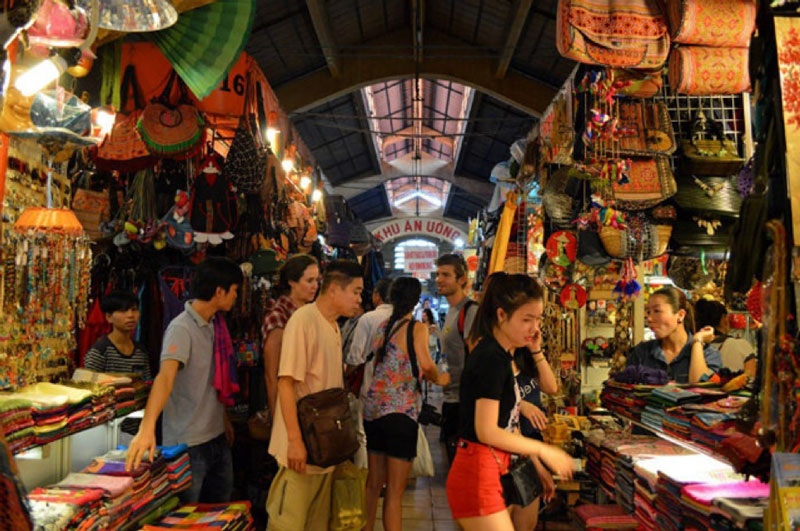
{"points": [[49, 220]]}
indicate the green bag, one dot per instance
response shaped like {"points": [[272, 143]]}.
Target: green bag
{"points": [[348, 498], [265, 263]]}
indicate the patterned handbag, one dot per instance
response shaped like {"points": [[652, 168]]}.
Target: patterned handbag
{"points": [[647, 129], [640, 240], [619, 33], [707, 71], [123, 149], [650, 182], [640, 83], [724, 23], [171, 130], [247, 161]]}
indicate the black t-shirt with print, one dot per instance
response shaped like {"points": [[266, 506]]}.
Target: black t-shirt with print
{"points": [[487, 374]]}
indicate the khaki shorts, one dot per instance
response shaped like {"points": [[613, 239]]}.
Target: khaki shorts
{"points": [[299, 501]]}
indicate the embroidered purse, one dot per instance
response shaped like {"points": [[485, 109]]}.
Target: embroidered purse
{"points": [[646, 129], [640, 240], [724, 23], [171, 130], [640, 83], [650, 181], [708, 71], [619, 33]]}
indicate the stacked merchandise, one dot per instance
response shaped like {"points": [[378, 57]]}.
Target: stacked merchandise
{"points": [[784, 497], [220, 517], [14, 509], [179, 471], [61, 508], [16, 423], [124, 399], [629, 400], [52, 408], [591, 517], [725, 505], [663, 410], [141, 390]]}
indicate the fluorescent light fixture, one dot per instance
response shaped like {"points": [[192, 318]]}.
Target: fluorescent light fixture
{"points": [[435, 201], [41, 75], [316, 195], [305, 182]]}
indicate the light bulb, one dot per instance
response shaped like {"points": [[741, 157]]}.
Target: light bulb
{"points": [[41, 75], [316, 195], [272, 137], [305, 182], [104, 120], [288, 164]]}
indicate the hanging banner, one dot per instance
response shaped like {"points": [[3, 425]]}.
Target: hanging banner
{"points": [[434, 228], [787, 30], [420, 261]]}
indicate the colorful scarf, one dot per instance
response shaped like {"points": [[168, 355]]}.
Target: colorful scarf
{"points": [[226, 381]]}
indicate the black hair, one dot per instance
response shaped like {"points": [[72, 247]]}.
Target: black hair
{"points": [[429, 313], [523, 359], [709, 313], [457, 261], [505, 291], [215, 272], [293, 270], [404, 295], [119, 301], [677, 301], [383, 289], [342, 272]]}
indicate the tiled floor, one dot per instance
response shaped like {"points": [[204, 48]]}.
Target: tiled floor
{"points": [[425, 501]]}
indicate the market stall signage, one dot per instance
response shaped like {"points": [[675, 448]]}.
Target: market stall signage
{"points": [[420, 261], [432, 227]]}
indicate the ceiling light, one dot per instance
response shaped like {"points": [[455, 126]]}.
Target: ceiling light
{"points": [[135, 15], [41, 75], [435, 201], [104, 120], [288, 159], [305, 182], [272, 130], [316, 195]]}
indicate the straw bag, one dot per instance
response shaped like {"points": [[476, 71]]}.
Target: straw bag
{"points": [[171, 130], [247, 160], [710, 156], [123, 149], [716, 196], [559, 197], [647, 129], [640, 83], [650, 181], [640, 240], [724, 23], [620, 33]]}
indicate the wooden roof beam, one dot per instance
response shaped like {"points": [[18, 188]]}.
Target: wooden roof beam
{"points": [[516, 23], [319, 16]]}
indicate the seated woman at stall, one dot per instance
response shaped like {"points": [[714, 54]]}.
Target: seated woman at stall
{"points": [[737, 354], [685, 355]]}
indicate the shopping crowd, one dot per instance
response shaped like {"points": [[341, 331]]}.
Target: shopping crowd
{"points": [[491, 417]]}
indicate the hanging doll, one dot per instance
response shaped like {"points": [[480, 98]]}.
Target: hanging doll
{"points": [[213, 210]]}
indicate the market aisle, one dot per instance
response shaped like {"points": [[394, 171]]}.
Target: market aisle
{"points": [[425, 501]]}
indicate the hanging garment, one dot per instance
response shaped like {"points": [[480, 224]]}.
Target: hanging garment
{"points": [[173, 283], [214, 211], [96, 327]]}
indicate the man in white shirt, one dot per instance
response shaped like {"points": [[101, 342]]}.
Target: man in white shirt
{"points": [[360, 351]]}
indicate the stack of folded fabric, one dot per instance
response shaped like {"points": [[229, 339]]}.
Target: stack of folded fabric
{"points": [[595, 517], [594, 456], [67, 508], [99, 410], [141, 391], [627, 400], [15, 513], [669, 396], [54, 407], [124, 400], [117, 493], [610, 448], [16, 423], [220, 517], [701, 512], [653, 417], [179, 470]]}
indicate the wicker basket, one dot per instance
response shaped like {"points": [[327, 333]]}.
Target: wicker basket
{"points": [[624, 244]]}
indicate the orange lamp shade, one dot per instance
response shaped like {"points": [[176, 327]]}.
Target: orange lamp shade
{"points": [[53, 220]]}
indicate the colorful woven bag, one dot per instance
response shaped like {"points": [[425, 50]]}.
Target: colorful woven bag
{"points": [[650, 181], [724, 23], [646, 129], [171, 130], [123, 149], [619, 33], [707, 71]]}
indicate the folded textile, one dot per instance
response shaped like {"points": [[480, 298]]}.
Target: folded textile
{"points": [[640, 374], [706, 494], [604, 517], [111, 485]]}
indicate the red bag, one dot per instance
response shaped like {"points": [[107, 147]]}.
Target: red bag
{"points": [[123, 149]]}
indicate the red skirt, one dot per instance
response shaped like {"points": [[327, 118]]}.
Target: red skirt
{"points": [[473, 485]]}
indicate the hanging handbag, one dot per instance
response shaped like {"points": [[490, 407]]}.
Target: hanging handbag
{"points": [[247, 160], [348, 498], [714, 196], [620, 33], [171, 130], [724, 23], [641, 242], [423, 466], [328, 424], [650, 181], [590, 249], [521, 483], [123, 149], [717, 155], [646, 129], [637, 83], [687, 272], [708, 71], [559, 197]]}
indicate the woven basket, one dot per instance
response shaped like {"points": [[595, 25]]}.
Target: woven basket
{"points": [[623, 244], [721, 198]]}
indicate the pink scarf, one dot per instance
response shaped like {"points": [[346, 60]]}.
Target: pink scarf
{"points": [[226, 381]]}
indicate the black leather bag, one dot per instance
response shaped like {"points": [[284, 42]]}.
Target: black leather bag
{"points": [[590, 249], [428, 414], [521, 482]]}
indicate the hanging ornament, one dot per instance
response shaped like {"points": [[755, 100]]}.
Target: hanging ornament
{"points": [[562, 248], [573, 297], [627, 287]]}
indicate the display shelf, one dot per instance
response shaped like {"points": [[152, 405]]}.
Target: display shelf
{"points": [[33, 446], [678, 441]]}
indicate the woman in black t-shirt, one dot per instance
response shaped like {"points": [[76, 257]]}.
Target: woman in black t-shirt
{"points": [[508, 318]]}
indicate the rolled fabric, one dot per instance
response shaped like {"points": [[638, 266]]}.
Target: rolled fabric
{"points": [[705, 70], [724, 23]]}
